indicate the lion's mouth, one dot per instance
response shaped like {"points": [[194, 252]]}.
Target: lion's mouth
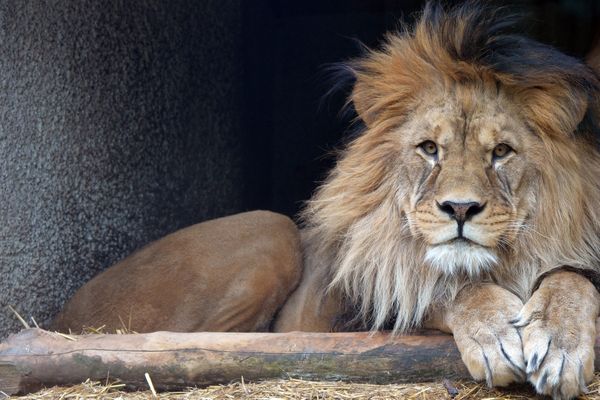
{"points": [[460, 241]]}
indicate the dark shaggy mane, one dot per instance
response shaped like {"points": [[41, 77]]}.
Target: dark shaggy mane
{"points": [[477, 33]]}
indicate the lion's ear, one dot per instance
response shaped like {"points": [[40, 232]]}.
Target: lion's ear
{"points": [[555, 111], [382, 96], [363, 99], [387, 81]]}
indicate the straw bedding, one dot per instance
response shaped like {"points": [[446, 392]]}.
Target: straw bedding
{"points": [[298, 389]]}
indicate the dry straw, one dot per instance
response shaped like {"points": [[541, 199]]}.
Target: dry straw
{"points": [[300, 389]]}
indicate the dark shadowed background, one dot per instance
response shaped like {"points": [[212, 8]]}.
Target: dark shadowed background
{"points": [[122, 121]]}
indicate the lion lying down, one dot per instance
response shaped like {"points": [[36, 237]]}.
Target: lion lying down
{"points": [[468, 204]]}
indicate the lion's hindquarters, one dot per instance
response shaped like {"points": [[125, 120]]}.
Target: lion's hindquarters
{"points": [[229, 274]]}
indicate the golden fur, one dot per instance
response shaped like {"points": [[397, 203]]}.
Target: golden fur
{"points": [[458, 71]]}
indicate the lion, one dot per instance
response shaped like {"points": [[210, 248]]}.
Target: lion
{"points": [[468, 204]]}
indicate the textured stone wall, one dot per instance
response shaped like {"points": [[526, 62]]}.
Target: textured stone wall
{"points": [[119, 123]]}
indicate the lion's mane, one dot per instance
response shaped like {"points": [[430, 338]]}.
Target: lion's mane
{"points": [[354, 231]]}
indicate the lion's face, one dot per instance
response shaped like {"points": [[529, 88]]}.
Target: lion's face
{"points": [[471, 165]]}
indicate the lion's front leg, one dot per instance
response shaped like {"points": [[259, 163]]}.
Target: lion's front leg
{"points": [[489, 345], [558, 330]]}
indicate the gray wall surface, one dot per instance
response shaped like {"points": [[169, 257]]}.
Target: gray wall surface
{"points": [[118, 124]]}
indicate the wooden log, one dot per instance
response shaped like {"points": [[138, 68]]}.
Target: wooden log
{"points": [[35, 358]]}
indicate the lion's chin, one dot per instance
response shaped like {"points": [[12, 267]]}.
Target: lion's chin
{"points": [[460, 256]]}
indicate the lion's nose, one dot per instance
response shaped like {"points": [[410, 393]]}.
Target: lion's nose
{"points": [[461, 212]]}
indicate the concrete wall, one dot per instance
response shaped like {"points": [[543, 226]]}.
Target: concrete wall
{"points": [[119, 123]]}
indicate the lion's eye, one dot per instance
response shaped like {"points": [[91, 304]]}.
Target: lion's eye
{"points": [[429, 147], [501, 151]]}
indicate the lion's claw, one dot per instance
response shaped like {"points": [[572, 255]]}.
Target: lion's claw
{"points": [[536, 359], [515, 362]]}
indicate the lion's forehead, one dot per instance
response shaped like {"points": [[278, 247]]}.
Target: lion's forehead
{"points": [[447, 123]]}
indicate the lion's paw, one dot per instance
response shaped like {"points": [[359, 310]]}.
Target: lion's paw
{"points": [[492, 353], [558, 345], [556, 367]]}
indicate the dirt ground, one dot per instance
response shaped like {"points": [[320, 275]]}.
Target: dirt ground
{"points": [[299, 389]]}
